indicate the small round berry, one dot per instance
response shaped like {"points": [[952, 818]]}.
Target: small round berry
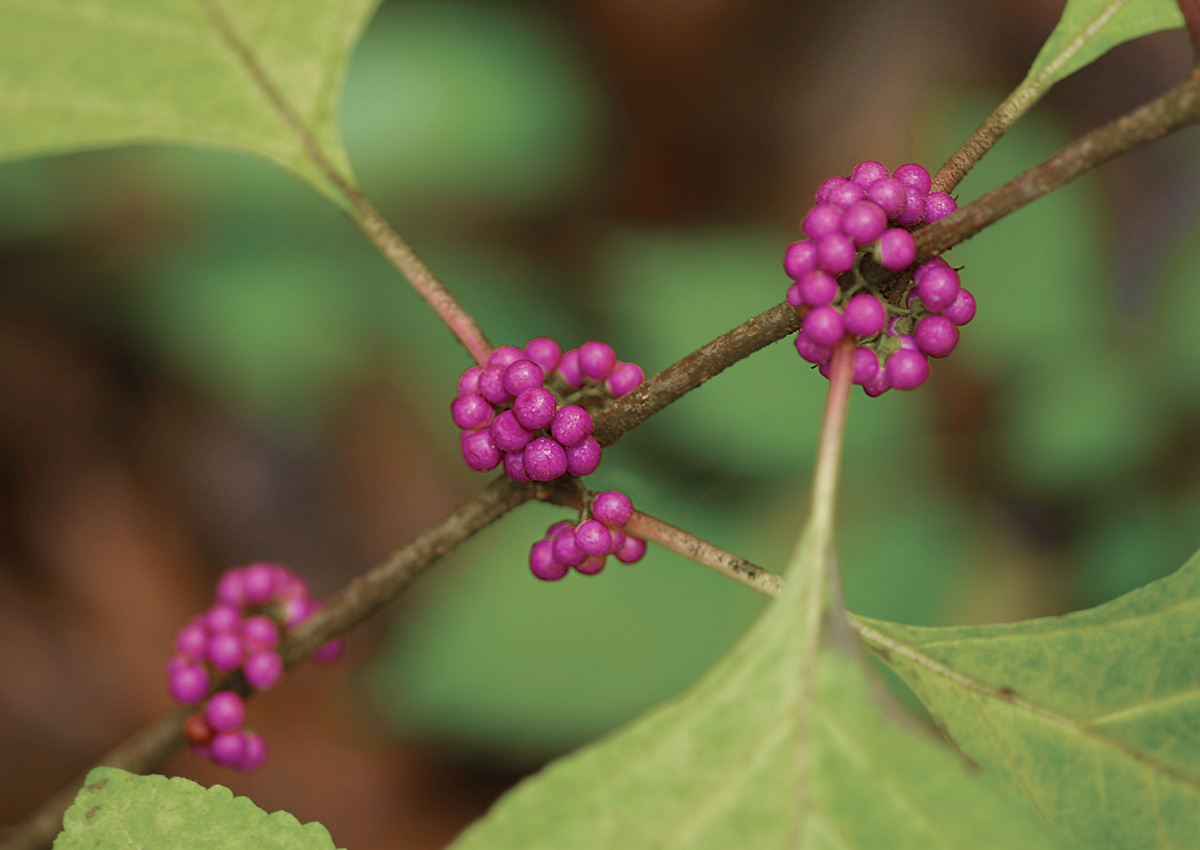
{"points": [[938, 205], [817, 288], [613, 508], [618, 540], [545, 459], [522, 375], [867, 172], [296, 611], [591, 565], [258, 582], [596, 360], [229, 588], [227, 748], [543, 564], [822, 196], [260, 632], [505, 355], [187, 682], [479, 452], [843, 193], [800, 257], [836, 253], [222, 617], [936, 335], [897, 249], [878, 385], [822, 220], [864, 221], [811, 351], [583, 458], [914, 175], [907, 370], [866, 366], [570, 370], [566, 548], [514, 466], [625, 378], [226, 651], [864, 315], [225, 710], [937, 288], [914, 208], [507, 433], [263, 669], [890, 194], [824, 326], [255, 753], [491, 385], [534, 408], [962, 310], [592, 537], [468, 382], [192, 640], [196, 730], [632, 550], [543, 351], [793, 296], [330, 651], [571, 425]]}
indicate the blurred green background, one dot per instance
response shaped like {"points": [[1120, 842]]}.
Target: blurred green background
{"points": [[203, 364]]}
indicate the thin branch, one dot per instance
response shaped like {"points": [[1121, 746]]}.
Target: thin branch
{"points": [[1173, 111]]}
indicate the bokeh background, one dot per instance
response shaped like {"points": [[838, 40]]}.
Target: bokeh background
{"points": [[203, 364]]}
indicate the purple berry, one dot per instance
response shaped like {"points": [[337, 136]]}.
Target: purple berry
{"points": [[330, 651], [592, 537], [569, 369], [227, 748], [225, 710], [822, 220], [543, 351], [618, 540], [817, 288], [187, 682], [914, 208], [824, 326], [514, 466], [897, 249], [471, 411], [938, 205], [890, 194], [507, 434], [258, 582], [907, 370], [255, 753], [566, 548], [192, 640], [596, 360], [479, 452], [504, 356], [260, 632], [811, 351], [583, 458], [297, 610], [468, 382], [491, 385], [937, 287], [534, 408], [613, 508], [543, 564], [545, 459], [843, 193], [822, 196], [263, 669], [521, 375], [229, 588], [963, 309], [915, 176], [632, 550], [836, 253], [800, 257], [591, 565], [936, 336], [625, 378], [222, 617], [864, 315], [866, 365], [878, 385], [867, 172], [864, 221], [226, 651], [572, 425], [793, 296]]}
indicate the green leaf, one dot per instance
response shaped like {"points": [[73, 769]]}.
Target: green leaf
{"points": [[1090, 28], [1095, 716], [117, 810], [780, 741], [261, 76]]}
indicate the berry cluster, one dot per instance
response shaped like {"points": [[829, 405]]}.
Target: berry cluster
{"points": [[241, 631], [860, 241], [528, 408], [586, 545]]}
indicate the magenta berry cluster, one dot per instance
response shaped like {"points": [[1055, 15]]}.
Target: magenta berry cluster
{"points": [[859, 239], [528, 408], [241, 631], [586, 545]]}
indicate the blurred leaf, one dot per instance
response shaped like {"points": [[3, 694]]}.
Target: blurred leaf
{"points": [[1090, 28], [1094, 715], [117, 810], [262, 76]]}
